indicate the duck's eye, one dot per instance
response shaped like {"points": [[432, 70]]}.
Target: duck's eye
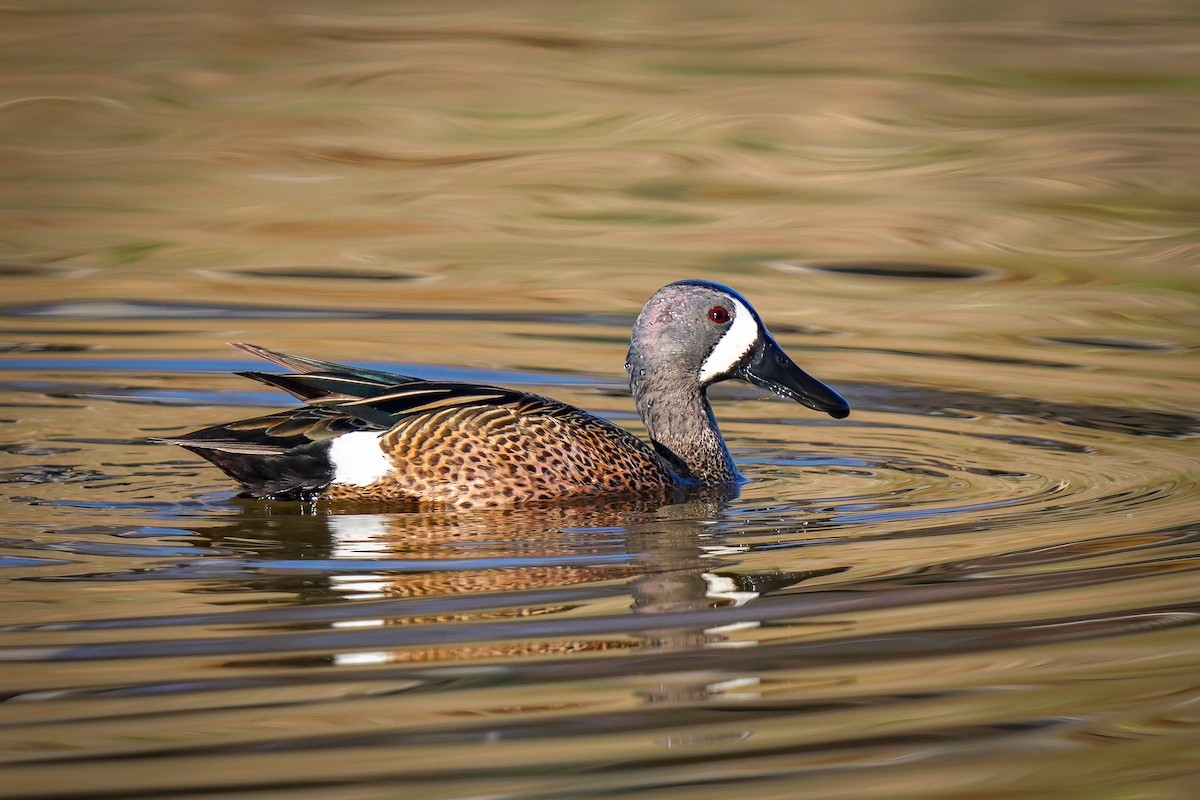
{"points": [[719, 314]]}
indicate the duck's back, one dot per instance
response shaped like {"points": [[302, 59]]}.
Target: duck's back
{"points": [[368, 435]]}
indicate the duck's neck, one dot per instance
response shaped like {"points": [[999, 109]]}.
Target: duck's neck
{"points": [[680, 420]]}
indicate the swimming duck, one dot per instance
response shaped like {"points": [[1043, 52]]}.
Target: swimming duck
{"points": [[365, 434]]}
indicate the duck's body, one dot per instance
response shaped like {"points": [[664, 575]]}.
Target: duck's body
{"points": [[370, 435]]}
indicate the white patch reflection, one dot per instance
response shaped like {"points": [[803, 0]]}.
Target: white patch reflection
{"points": [[359, 536]]}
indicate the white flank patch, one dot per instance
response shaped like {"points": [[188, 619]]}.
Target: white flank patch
{"points": [[731, 347], [358, 459]]}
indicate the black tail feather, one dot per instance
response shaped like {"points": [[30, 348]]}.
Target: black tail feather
{"points": [[321, 385], [309, 366], [268, 472]]}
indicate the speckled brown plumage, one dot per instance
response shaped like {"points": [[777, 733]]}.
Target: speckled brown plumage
{"points": [[485, 456]]}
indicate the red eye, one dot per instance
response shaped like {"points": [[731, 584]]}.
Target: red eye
{"points": [[719, 314]]}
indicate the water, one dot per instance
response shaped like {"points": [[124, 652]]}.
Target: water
{"points": [[978, 223]]}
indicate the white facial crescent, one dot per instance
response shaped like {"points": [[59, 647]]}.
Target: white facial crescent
{"points": [[731, 348]]}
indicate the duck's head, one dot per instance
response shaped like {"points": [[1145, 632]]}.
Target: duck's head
{"points": [[700, 332]]}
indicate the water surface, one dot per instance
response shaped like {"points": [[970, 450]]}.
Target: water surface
{"points": [[980, 225]]}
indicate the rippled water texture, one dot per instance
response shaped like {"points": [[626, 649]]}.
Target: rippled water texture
{"points": [[977, 221]]}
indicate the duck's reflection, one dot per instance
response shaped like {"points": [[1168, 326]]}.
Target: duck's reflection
{"points": [[562, 562]]}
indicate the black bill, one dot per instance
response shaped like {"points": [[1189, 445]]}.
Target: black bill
{"points": [[769, 367]]}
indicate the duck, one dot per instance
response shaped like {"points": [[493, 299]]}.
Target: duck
{"points": [[369, 435]]}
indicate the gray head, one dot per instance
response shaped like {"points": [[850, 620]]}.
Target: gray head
{"points": [[695, 333]]}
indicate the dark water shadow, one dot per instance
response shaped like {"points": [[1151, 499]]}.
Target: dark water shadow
{"points": [[125, 309], [909, 270], [922, 400]]}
